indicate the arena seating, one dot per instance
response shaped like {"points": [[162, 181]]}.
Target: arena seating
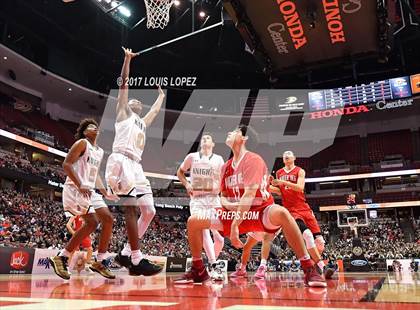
{"points": [[167, 234], [389, 143]]}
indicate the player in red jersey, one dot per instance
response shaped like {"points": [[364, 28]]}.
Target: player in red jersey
{"points": [[74, 224], [247, 207], [290, 184]]}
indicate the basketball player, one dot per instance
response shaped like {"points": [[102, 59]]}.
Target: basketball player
{"points": [[205, 172], [244, 186], [125, 176], [290, 184], [79, 198], [75, 223]]}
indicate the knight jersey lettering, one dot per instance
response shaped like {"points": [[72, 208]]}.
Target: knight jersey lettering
{"points": [[291, 199], [205, 172], [250, 170], [130, 137], [87, 166]]}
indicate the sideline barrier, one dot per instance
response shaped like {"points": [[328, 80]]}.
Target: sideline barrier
{"points": [[16, 260], [35, 261]]}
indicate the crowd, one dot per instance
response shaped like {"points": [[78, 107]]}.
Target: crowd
{"points": [[380, 239], [39, 168], [39, 222]]}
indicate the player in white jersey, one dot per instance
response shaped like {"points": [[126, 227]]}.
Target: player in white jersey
{"points": [[125, 176], [205, 175], [79, 198]]}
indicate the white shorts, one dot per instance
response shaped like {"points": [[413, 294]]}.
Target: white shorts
{"points": [[74, 203], [205, 204], [125, 176]]}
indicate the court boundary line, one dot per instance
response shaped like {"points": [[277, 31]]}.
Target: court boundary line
{"points": [[373, 293]]}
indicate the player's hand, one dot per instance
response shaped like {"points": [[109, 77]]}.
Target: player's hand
{"points": [[129, 53], [276, 182], [112, 197], [189, 189], [85, 192], [231, 206], [161, 93], [234, 236]]}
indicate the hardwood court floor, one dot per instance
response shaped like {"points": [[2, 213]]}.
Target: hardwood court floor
{"points": [[278, 291]]}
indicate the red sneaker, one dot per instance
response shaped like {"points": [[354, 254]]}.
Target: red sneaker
{"points": [[194, 275], [313, 278]]}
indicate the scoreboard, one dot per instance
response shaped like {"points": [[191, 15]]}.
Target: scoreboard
{"points": [[392, 89]]}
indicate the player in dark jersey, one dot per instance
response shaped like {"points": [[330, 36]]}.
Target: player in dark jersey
{"points": [[247, 207]]}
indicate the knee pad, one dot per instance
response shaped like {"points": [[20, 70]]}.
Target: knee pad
{"points": [[301, 225], [320, 243], [309, 239]]}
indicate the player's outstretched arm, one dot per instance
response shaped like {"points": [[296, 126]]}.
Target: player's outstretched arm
{"points": [[154, 110], [123, 111]]}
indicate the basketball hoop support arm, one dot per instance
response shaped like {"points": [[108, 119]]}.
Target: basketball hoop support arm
{"points": [[181, 37]]}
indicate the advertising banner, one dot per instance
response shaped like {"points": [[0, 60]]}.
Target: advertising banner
{"points": [[175, 264], [41, 263], [16, 260]]}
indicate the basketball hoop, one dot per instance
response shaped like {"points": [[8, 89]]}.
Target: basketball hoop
{"points": [[158, 13], [353, 223]]}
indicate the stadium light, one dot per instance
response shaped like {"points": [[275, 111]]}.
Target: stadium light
{"points": [[114, 4], [202, 14], [124, 11], [177, 2]]}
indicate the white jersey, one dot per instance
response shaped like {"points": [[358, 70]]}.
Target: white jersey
{"points": [[130, 137], [87, 166], [205, 172]]}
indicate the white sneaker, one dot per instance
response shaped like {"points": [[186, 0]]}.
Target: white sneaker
{"points": [[216, 273]]}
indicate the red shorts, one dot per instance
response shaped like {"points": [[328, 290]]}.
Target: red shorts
{"points": [[308, 217], [248, 225], [86, 243]]}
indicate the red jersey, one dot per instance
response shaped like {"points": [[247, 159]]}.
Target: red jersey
{"points": [[78, 222], [291, 199], [251, 169]]}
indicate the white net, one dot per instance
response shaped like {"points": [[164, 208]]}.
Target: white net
{"points": [[158, 13]]}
